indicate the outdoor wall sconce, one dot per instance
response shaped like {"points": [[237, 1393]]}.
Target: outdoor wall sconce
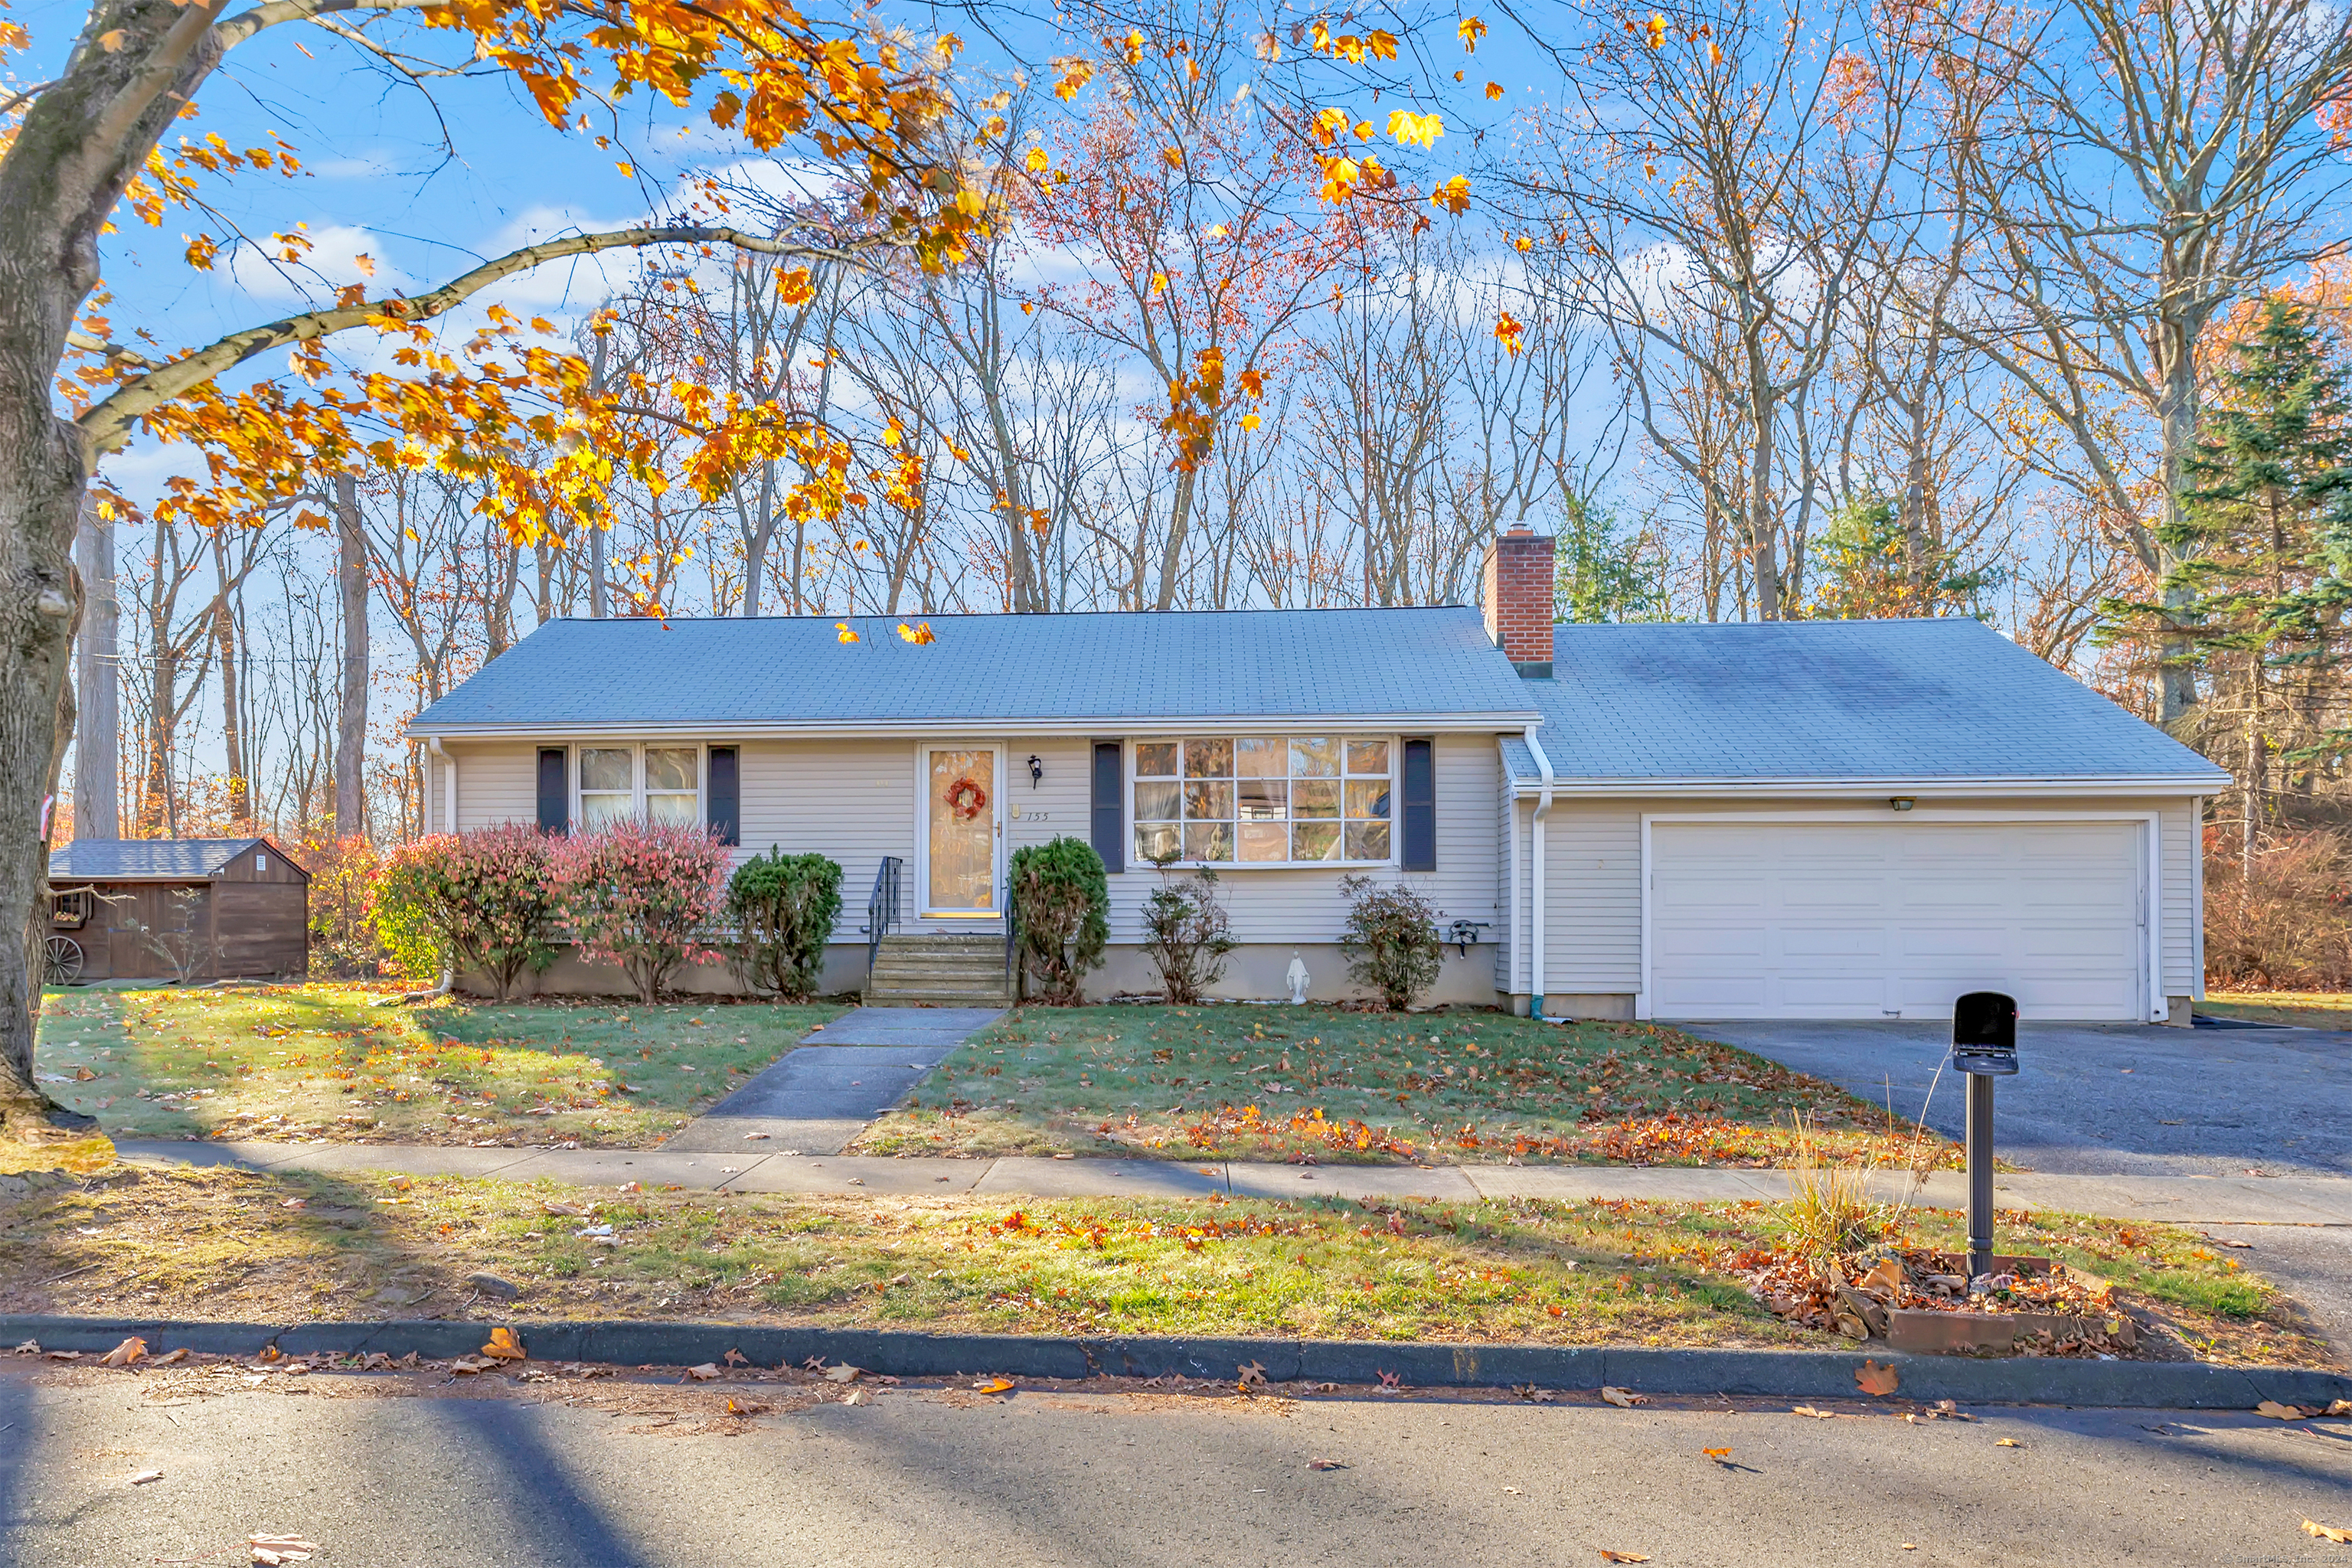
{"points": [[1901, 803], [1036, 771]]}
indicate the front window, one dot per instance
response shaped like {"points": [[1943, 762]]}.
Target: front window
{"points": [[640, 783], [1267, 800]]}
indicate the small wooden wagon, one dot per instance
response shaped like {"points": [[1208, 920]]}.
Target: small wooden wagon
{"points": [[176, 909]]}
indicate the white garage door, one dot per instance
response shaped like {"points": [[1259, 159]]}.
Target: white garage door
{"points": [[1866, 920]]}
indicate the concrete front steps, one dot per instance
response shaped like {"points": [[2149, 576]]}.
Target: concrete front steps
{"points": [[939, 970]]}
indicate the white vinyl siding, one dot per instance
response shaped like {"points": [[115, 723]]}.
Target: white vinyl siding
{"points": [[853, 801], [2178, 829], [1593, 899]]}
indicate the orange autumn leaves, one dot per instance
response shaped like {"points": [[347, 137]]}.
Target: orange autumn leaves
{"points": [[867, 99]]}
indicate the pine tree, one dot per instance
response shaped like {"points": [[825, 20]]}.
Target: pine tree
{"points": [[1605, 573], [2265, 546]]}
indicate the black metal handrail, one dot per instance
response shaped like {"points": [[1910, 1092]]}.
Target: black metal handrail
{"points": [[1014, 968], [881, 910]]}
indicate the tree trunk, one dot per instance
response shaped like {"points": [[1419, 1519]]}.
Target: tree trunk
{"points": [[98, 752], [352, 700], [595, 572], [41, 490], [2177, 673], [240, 782]]}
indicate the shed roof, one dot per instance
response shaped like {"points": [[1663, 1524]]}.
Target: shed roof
{"points": [[1431, 666], [150, 860], [1833, 700]]}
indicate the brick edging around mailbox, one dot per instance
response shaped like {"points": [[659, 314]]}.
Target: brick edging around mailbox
{"points": [[1782, 1374]]}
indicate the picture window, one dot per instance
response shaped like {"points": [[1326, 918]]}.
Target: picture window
{"points": [[1284, 800]]}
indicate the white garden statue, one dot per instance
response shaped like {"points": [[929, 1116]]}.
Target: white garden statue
{"points": [[1297, 976]]}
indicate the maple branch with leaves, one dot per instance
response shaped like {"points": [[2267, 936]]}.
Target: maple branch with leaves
{"points": [[106, 426]]}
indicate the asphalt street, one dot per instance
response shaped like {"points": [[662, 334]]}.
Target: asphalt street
{"points": [[383, 1471]]}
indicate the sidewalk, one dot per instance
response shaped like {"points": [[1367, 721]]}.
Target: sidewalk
{"points": [[2181, 1200]]}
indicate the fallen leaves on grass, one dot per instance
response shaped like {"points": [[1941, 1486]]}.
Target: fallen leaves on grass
{"points": [[2328, 1531], [1875, 1379], [1622, 1398]]}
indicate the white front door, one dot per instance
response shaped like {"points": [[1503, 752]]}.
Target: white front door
{"points": [[962, 828], [1854, 920]]}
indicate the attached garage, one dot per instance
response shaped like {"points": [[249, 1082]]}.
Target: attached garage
{"points": [[1755, 917], [1853, 820]]}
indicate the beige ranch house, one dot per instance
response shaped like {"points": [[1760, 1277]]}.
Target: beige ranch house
{"points": [[1834, 820]]}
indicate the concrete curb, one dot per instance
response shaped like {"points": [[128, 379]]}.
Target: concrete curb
{"points": [[1782, 1374]]}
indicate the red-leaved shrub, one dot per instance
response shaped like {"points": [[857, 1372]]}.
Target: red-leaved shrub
{"points": [[639, 894], [487, 896]]}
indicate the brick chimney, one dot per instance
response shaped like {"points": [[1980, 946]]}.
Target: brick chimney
{"points": [[1516, 590]]}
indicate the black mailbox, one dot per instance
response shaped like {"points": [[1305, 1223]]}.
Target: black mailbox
{"points": [[1984, 1034]]}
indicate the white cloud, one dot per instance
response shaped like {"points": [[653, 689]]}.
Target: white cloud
{"points": [[331, 262]]}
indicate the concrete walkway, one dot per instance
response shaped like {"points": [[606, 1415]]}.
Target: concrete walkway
{"points": [[2181, 1200], [815, 1098]]}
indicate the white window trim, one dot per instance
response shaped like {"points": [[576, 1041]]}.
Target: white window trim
{"points": [[636, 750], [1395, 819]]}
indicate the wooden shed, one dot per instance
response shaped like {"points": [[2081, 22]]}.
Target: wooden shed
{"points": [[176, 909]]}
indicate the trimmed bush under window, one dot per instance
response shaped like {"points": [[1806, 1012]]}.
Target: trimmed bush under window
{"points": [[783, 907], [1061, 907]]}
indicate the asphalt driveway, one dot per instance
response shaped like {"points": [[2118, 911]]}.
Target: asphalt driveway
{"points": [[2105, 1099]]}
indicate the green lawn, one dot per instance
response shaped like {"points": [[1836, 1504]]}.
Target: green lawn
{"points": [[1277, 1083], [226, 1245], [2306, 1009], [321, 1061]]}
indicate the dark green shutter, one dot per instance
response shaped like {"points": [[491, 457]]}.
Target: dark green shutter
{"points": [[722, 794], [1110, 804], [1418, 849], [554, 797]]}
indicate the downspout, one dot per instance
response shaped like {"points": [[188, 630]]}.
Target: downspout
{"points": [[1536, 880], [449, 787]]}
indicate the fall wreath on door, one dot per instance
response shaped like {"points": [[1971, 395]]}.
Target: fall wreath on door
{"points": [[966, 798]]}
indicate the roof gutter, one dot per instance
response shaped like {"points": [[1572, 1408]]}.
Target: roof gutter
{"points": [[1536, 880], [1867, 788], [956, 724]]}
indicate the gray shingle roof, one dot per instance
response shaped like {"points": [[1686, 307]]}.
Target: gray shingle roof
{"points": [[1432, 664], [148, 859], [1833, 700]]}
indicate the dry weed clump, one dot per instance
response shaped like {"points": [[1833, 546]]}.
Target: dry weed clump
{"points": [[2288, 925]]}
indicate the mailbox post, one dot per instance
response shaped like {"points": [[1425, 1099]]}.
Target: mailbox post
{"points": [[1984, 1047]]}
